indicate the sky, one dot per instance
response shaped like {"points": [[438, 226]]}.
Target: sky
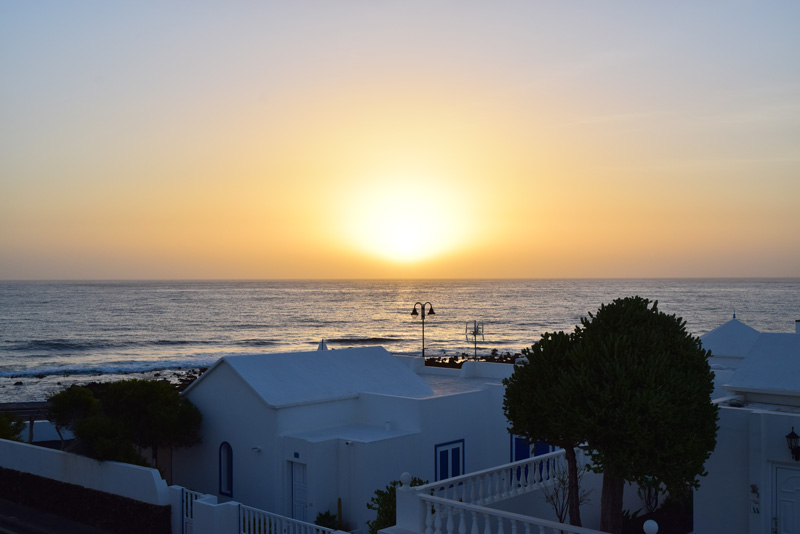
{"points": [[399, 139]]}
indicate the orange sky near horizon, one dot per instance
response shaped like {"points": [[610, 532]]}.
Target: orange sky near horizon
{"points": [[398, 140]]}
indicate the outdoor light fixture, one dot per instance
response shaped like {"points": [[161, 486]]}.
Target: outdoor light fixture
{"points": [[414, 313], [791, 440]]}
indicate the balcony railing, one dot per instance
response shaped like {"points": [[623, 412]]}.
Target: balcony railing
{"points": [[255, 521], [459, 505], [444, 516], [501, 482]]}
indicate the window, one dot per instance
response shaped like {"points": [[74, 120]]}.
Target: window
{"points": [[449, 459], [226, 469]]}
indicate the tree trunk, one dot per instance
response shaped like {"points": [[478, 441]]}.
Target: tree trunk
{"points": [[611, 503], [572, 488]]}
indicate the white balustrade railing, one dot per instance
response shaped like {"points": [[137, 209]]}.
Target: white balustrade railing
{"points": [[444, 516], [498, 483], [255, 521]]}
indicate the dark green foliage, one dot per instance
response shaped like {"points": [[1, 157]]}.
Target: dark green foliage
{"points": [[105, 438], [11, 426], [646, 395], [385, 503], [117, 418], [328, 520], [538, 405], [536, 401], [152, 413], [635, 386], [71, 405]]}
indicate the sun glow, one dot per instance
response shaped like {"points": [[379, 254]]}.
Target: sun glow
{"points": [[405, 218]]}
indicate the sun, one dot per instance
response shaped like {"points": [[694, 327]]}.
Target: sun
{"points": [[405, 218]]}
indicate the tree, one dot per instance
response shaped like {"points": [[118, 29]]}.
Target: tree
{"points": [[558, 493], [152, 413], [11, 426], [115, 421], [642, 394], [69, 406], [538, 405]]}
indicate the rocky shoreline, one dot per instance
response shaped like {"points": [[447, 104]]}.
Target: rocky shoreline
{"points": [[41, 387]]}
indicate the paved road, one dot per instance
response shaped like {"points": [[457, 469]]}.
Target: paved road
{"points": [[18, 519]]}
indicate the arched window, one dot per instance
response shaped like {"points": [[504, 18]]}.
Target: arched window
{"points": [[226, 469]]}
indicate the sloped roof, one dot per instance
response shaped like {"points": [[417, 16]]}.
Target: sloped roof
{"points": [[291, 378], [733, 338], [772, 366]]}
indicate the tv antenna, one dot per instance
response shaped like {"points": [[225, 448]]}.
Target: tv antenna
{"points": [[474, 330]]}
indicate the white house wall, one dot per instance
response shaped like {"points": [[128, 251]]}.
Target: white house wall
{"points": [[750, 445], [722, 501], [320, 415], [241, 419], [352, 470], [477, 418], [400, 412], [266, 440]]}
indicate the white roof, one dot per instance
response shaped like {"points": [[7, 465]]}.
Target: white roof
{"points": [[772, 366], [354, 432], [284, 379], [733, 338]]}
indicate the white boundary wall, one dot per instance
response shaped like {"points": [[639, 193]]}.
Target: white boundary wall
{"points": [[132, 481]]}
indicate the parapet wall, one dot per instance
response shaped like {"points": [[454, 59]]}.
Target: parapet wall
{"points": [[105, 511], [130, 481]]}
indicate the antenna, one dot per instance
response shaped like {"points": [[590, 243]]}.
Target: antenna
{"points": [[477, 330]]}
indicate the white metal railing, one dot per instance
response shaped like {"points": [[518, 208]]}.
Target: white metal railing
{"points": [[444, 516], [498, 483], [255, 521], [187, 506]]}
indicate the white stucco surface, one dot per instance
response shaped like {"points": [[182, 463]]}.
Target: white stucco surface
{"points": [[316, 376], [733, 338], [444, 385], [772, 364], [355, 432], [351, 420], [740, 493]]}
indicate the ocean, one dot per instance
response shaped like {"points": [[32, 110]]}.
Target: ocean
{"points": [[53, 334]]}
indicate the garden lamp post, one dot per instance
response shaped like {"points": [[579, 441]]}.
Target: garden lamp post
{"points": [[422, 313]]}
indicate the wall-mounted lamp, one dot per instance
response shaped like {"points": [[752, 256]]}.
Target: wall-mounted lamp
{"points": [[792, 441]]}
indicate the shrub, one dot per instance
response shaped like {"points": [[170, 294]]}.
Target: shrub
{"points": [[385, 503], [11, 427]]}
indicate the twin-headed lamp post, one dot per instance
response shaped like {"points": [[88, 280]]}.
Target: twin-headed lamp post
{"points": [[422, 313]]}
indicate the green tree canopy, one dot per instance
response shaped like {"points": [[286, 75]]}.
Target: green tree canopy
{"points": [[152, 413], [643, 391], [114, 421], [69, 406], [632, 384], [537, 404], [11, 426]]}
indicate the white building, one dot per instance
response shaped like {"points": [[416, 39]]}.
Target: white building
{"points": [[753, 482], [294, 433]]}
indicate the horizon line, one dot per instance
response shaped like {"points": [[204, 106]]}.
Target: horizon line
{"points": [[387, 279]]}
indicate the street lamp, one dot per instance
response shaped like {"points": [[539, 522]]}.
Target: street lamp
{"points": [[422, 312]]}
